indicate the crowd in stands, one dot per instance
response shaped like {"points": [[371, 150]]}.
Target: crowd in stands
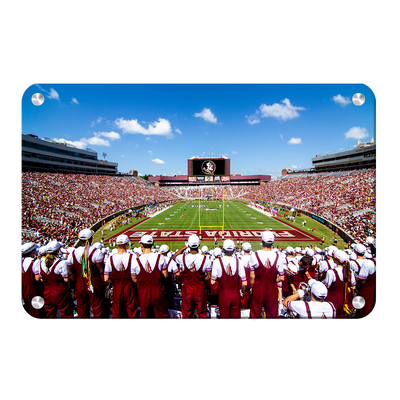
{"points": [[192, 192], [58, 206], [348, 199]]}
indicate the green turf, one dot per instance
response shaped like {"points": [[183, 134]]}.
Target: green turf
{"points": [[237, 216]]}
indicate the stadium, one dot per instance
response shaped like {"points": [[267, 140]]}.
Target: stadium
{"points": [[330, 204], [214, 218], [200, 194]]}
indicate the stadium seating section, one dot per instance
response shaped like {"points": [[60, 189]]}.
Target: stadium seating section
{"points": [[59, 206]]}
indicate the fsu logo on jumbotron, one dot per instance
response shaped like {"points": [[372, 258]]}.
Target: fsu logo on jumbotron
{"points": [[208, 167]]}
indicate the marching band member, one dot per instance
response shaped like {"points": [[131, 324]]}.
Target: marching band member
{"points": [[204, 249], [366, 286], [86, 264], [318, 255], [340, 282], [30, 286], [217, 252], [55, 275], [245, 300], [195, 270], [298, 252], [172, 269], [306, 269], [291, 267], [359, 251], [316, 308], [228, 271], [327, 264], [118, 269], [266, 268], [147, 271]]}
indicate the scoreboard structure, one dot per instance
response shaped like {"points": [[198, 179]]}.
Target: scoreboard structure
{"points": [[202, 169], [209, 171]]}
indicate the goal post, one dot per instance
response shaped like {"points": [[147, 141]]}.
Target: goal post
{"points": [[223, 214]]}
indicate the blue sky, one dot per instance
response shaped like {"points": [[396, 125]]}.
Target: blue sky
{"points": [[155, 128]]}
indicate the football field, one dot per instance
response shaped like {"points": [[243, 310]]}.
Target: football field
{"points": [[234, 220]]}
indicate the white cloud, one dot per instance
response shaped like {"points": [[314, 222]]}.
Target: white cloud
{"points": [[234, 152], [356, 133], [281, 136], [339, 99], [96, 141], [150, 152], [97, 121], [93, 141], [253, 119], [53, 94], [158, 161], [74, 101], [110, 135], [207, 115], [178, 131], [162, 127], [293, 167], [130, 126], [294, 141], [283, 111]]}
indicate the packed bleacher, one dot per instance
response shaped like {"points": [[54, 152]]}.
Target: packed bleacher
{"points": [[348, 199], [58, 206]]}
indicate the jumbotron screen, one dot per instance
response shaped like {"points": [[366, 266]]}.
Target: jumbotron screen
{"points": [[209, 167]]}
